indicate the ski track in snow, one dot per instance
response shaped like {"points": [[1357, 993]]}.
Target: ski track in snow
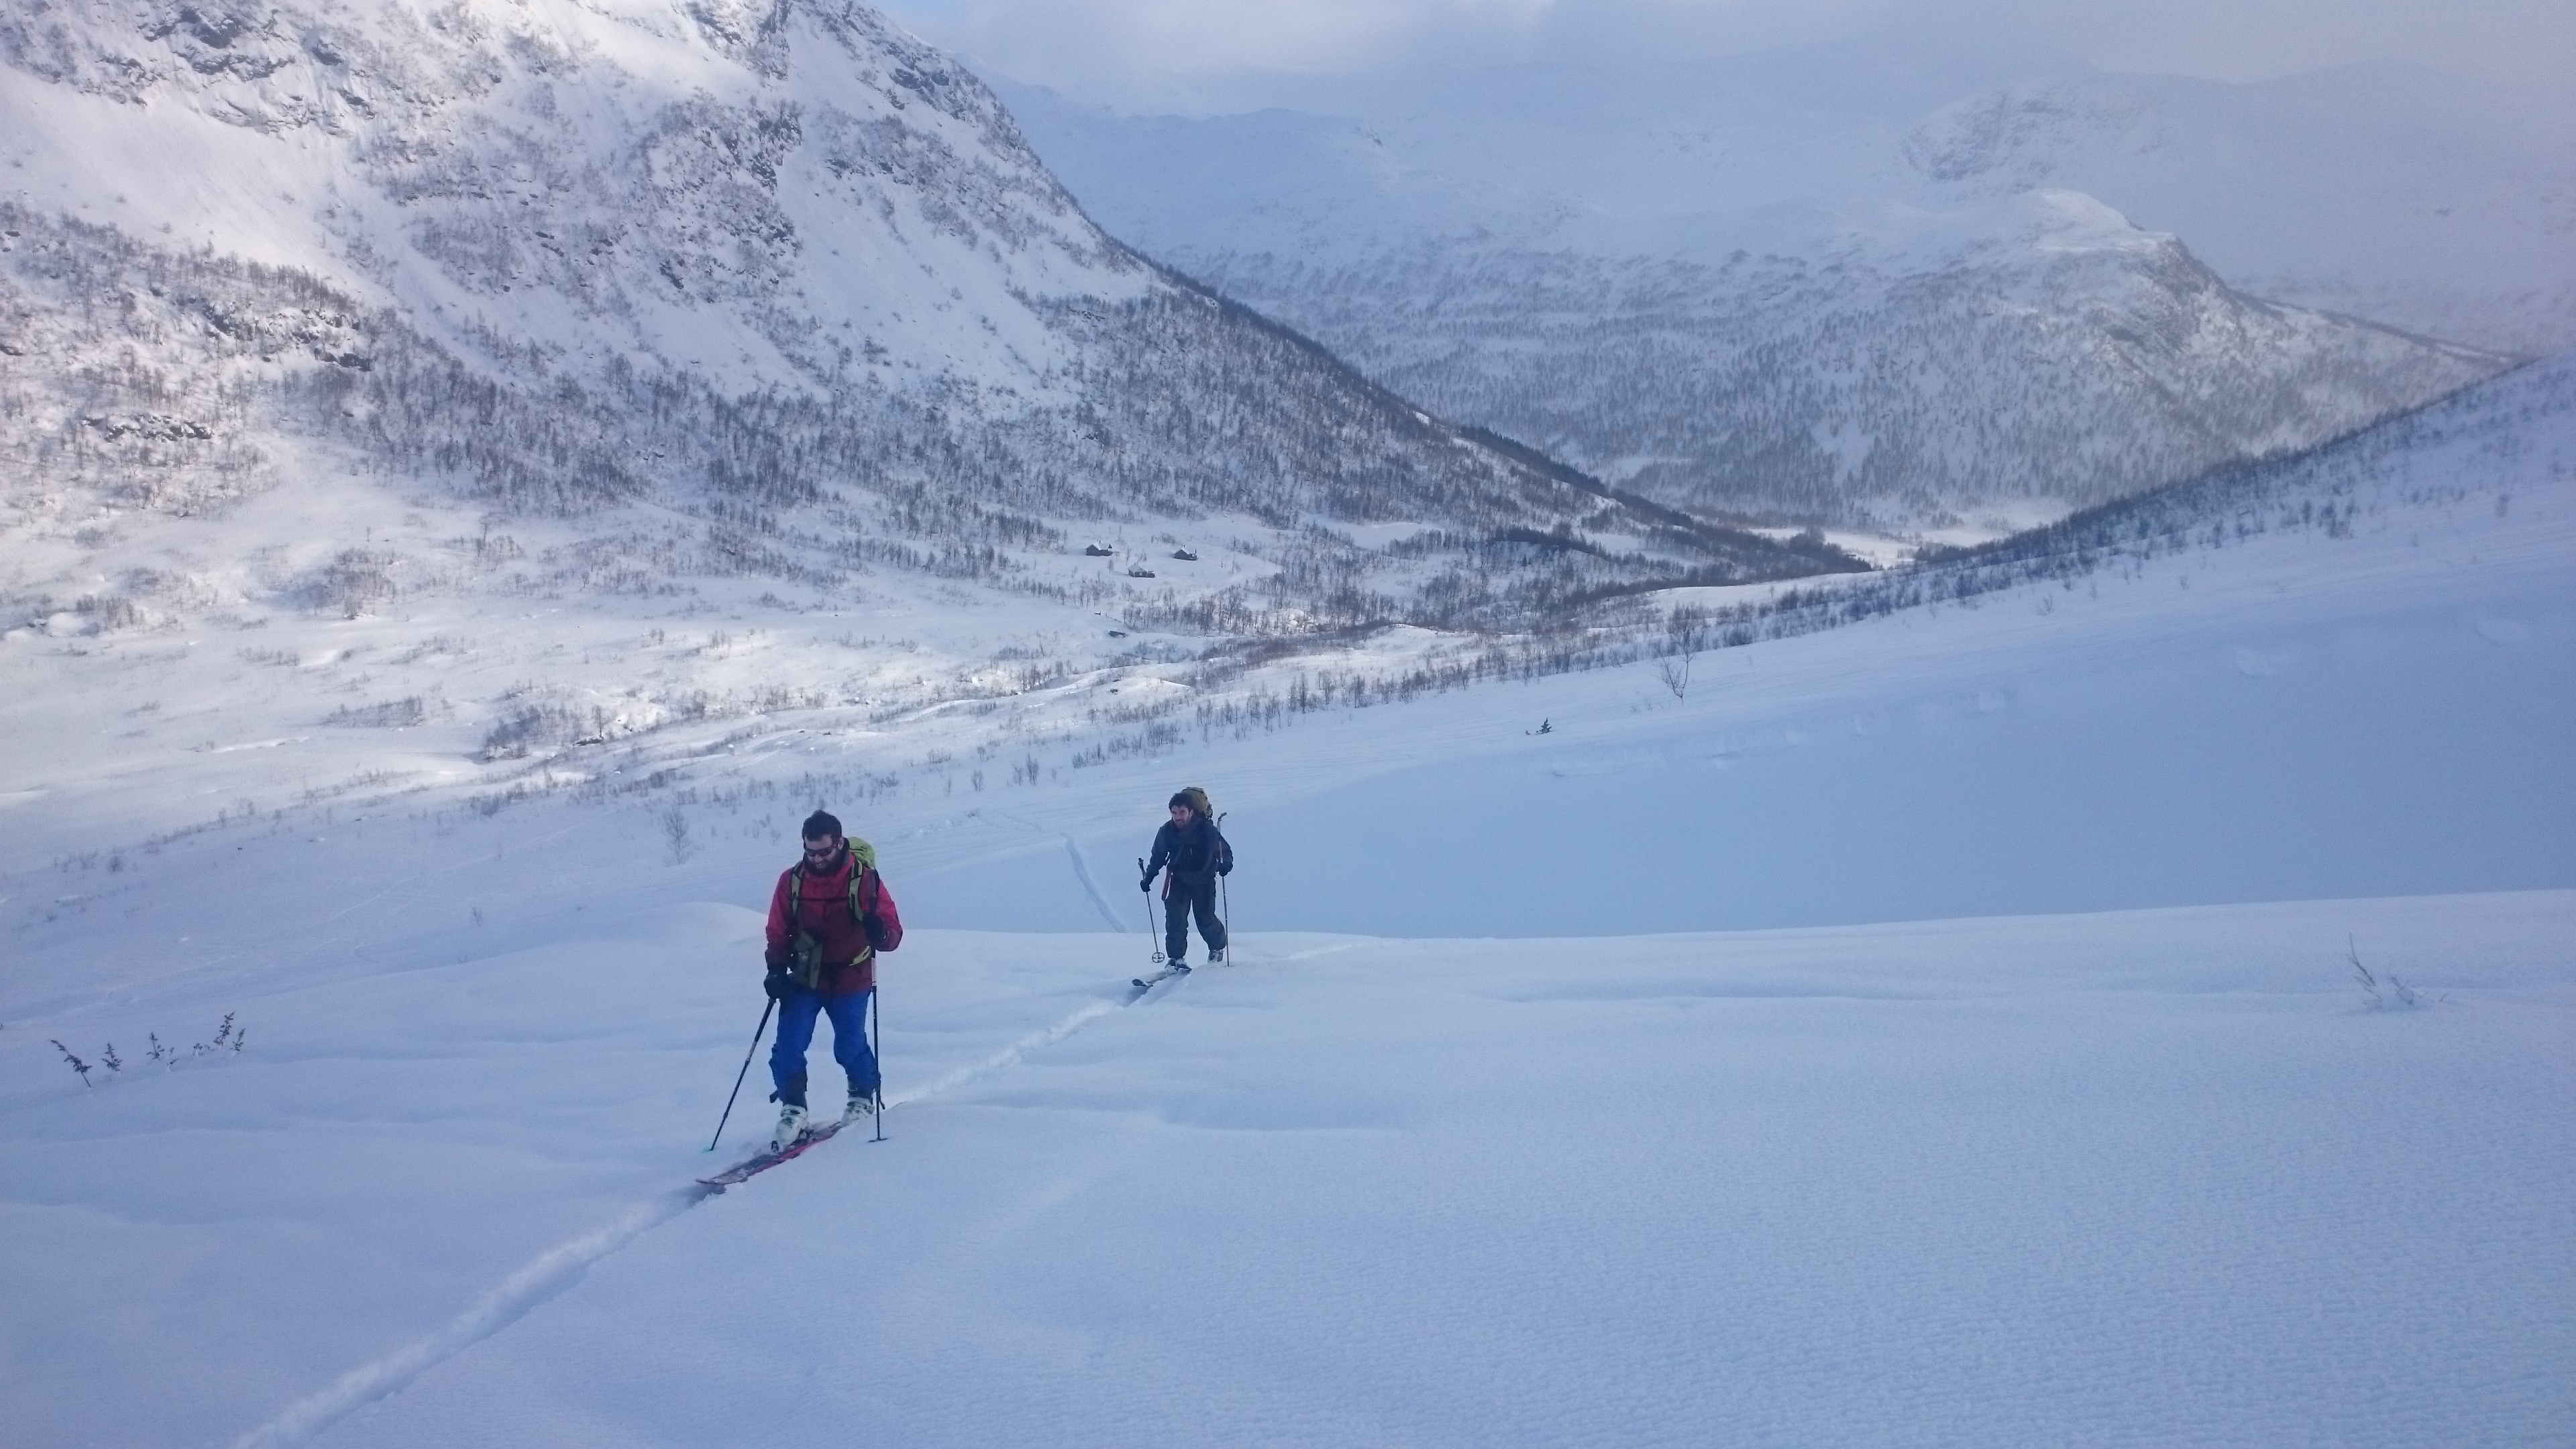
{"points": [[560, 1267], [1009, 1055], [549, 1274], [1082, 873]]}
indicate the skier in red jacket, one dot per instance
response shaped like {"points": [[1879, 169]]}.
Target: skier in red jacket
{"points": [[828, 919]]}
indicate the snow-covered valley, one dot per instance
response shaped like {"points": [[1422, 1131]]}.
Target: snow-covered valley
{"points": [[1945, 1026]]}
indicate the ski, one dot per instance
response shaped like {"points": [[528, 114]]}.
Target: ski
{"points": [[753, 1167], [1145, 983]]}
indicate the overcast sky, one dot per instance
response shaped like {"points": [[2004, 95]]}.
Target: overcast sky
{"points": [[1194, 54]]}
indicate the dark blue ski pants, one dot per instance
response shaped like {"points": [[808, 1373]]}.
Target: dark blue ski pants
{"points": [[1182, 898], [796, 1012]]}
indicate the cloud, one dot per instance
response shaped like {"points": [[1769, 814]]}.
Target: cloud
{"points": [[1104, 49], [1087, 46], [2523, 41], [1212, 54]]}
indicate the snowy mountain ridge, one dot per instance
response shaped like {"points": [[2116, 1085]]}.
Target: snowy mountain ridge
{"points": [[1982, 366], [697, 185], [1816, 286]]}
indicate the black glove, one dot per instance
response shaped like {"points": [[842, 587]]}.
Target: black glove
{"points": [[1146, 884], [776, 983]]}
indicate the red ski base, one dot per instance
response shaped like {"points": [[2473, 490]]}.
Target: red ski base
{"points": [[755, 1166]]}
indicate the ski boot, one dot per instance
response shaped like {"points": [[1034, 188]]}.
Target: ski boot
{"points": [[791, 1125]]}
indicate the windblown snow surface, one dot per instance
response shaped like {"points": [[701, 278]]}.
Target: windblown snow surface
{"points": [[1943, 1029]]}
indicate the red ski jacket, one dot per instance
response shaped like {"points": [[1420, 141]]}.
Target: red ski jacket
{"points": [[822, 909]]}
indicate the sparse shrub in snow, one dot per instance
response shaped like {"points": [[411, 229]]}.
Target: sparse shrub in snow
{"points": [[112, 612], [773, 698], [675, 833], [1675, 673], [353, 583], [2398, 993], [228, 1040], [489, 549], [391, 714], [549, 724], [73, 1058]]}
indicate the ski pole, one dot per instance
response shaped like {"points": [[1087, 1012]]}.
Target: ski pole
{"points": [[766, 1008], [1149, 917], [876, 1046]]}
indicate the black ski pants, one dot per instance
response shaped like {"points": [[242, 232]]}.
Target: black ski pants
{"points": [[1181, 898]]}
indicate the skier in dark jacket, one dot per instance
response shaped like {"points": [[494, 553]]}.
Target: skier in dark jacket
{"points": [[1197, 855], [829, 917]]}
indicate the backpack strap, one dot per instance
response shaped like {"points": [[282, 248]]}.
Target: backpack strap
{"points": [[863, 876]]}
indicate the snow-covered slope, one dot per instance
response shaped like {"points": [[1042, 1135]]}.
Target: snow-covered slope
{"points": [[1851, 285], [2001, 1180], [2332, 676], [2162, 1170], [346, 308]]}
